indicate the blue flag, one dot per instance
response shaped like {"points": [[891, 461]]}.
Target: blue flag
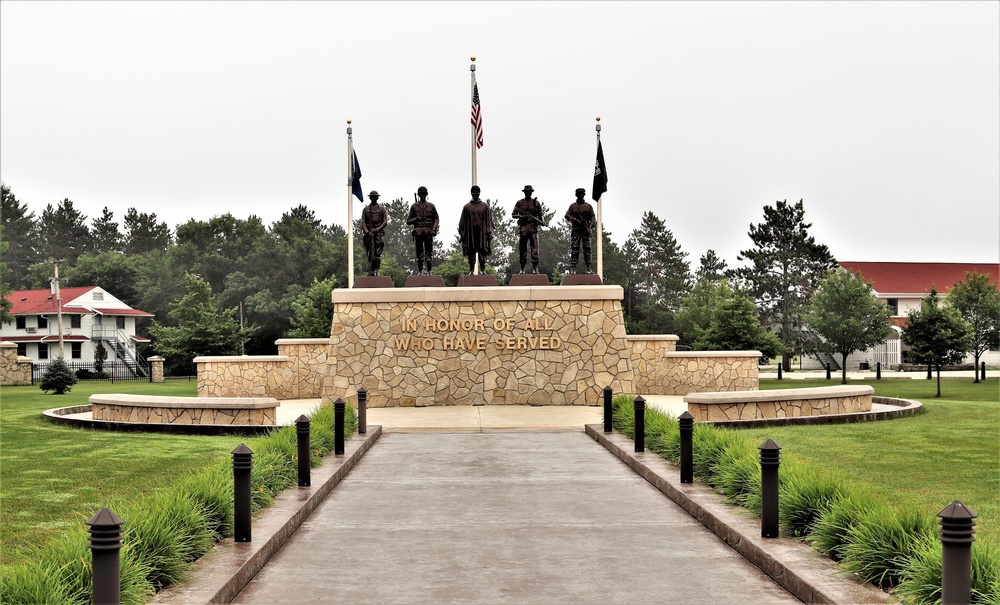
{"points": [[356, 179]]}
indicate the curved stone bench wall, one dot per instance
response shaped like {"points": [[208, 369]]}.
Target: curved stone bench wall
{"points": [[154, 409], [784, 403]]}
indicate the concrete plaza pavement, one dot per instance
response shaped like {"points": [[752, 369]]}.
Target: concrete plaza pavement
{"points": [[503, 517]]}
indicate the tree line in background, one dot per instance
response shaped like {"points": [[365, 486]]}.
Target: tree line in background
{"points": [[230, 285]]}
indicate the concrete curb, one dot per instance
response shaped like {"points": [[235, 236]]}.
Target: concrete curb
{"points": [[808, 575], [225, 570]]}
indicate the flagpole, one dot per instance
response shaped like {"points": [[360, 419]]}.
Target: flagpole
{"points": [[472, 92], [600, 224], [350, 206]]}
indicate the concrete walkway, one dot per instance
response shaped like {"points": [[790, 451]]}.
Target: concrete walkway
{"points": [[503, 517]]}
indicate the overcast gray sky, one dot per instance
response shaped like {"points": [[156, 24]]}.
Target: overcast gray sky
{"points": [[883, 117]]}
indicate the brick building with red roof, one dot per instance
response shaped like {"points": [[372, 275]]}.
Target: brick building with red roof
{"points": [[90, 315]]}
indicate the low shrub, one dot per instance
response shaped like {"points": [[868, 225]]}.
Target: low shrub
{"points": [[168, 529]]}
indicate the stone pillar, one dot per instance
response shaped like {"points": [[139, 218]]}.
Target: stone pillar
{"points": [[156, 368], [14, 370]]}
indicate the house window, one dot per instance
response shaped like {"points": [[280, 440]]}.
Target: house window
{"points": [[74, 321], [43, 350], [20, 322], [893, 306], [22, 349], [43, 322], [120, 321], [76, 351], [98, 296]]}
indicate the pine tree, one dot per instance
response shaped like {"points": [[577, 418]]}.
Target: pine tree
{"points": [[106, 235], [786, 266], [57, 378]]}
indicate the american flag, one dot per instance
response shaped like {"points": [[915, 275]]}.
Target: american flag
{"points": [[477, 117]]}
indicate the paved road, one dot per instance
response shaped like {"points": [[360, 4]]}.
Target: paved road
{"points": [[532, 517]]}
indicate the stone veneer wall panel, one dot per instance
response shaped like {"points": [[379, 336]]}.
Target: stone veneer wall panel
{"points": [[14, 370], [587, 321], [308, 357], [661, 371], [246, 376]]}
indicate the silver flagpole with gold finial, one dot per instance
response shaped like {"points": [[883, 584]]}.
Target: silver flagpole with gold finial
{"points": [[350, 206]]}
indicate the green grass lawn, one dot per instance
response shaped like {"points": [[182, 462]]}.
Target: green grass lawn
{"points": [[923, 462], [53, 477]]}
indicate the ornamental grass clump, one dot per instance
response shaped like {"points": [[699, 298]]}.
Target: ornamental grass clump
{"points": [[831, 530], [879, 546], [921, 582], [806, 495]]}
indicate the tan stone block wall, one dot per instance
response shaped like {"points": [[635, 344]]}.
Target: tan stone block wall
{"points": [[592, 353], [660, 371], [780, 409], [247, 377], [308, 357], [14, 370], [168, 415]]}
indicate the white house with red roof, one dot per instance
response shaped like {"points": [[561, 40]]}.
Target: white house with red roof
{"points": [[902, 286], [90, 314]]}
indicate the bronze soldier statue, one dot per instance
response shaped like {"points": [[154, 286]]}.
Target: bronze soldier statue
{"points": [[423, 218], [528, 213], [581, 217], [475, 230], [374, 218]]}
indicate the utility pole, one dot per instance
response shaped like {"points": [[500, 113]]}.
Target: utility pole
{"points": [[55, 282]]}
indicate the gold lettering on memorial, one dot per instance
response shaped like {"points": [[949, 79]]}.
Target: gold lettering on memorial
{"points": [[467, 334]]}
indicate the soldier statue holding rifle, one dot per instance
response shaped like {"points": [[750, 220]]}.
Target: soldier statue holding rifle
{"points": [[581, 218], [373, 221], [423, 218], [528, 213]]}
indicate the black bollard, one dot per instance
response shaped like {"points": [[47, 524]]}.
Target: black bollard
{"points": [[242, 463], [640, 424], [956, 553], [878, 370], [105, 546], [338, 427], [828, 370], [770, 459], [929, 377], [686, 423], [302, 431], [982, 370], [607, 409], [779, 370], [362, 411]]}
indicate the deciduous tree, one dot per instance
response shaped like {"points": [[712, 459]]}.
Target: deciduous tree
{"points": [[978, 301], [846, 314], [713, 317], [786, 266], [312, 311], [936, 334]]}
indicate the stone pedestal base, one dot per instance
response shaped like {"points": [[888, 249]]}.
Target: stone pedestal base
{"points": [[582, 279], [424, 281], [530, 279], [373, 281]]}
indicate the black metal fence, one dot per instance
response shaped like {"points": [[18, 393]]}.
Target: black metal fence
{"points": [[110, 371]]}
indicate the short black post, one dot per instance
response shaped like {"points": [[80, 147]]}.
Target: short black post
{"points": [[770, 459], [640, 424], [779, 370], [302, 431], [105, 546], [929, 377], [982, 370], [878, 370], [362, 411], [828, 370], [686, 423], [956, 554], [338, 426], [607, 409], [242, 463]]}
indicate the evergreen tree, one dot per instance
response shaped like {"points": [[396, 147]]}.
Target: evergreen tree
{"points": [[664, 275], [64, 232], [786, 266], [20, 229], [143, 233], [937, 335], [313, 311], [100, 356], [106, 235], [5, 289], [846, 314], [57, 378], [710, 267], [200, 328], [978, 301]]}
